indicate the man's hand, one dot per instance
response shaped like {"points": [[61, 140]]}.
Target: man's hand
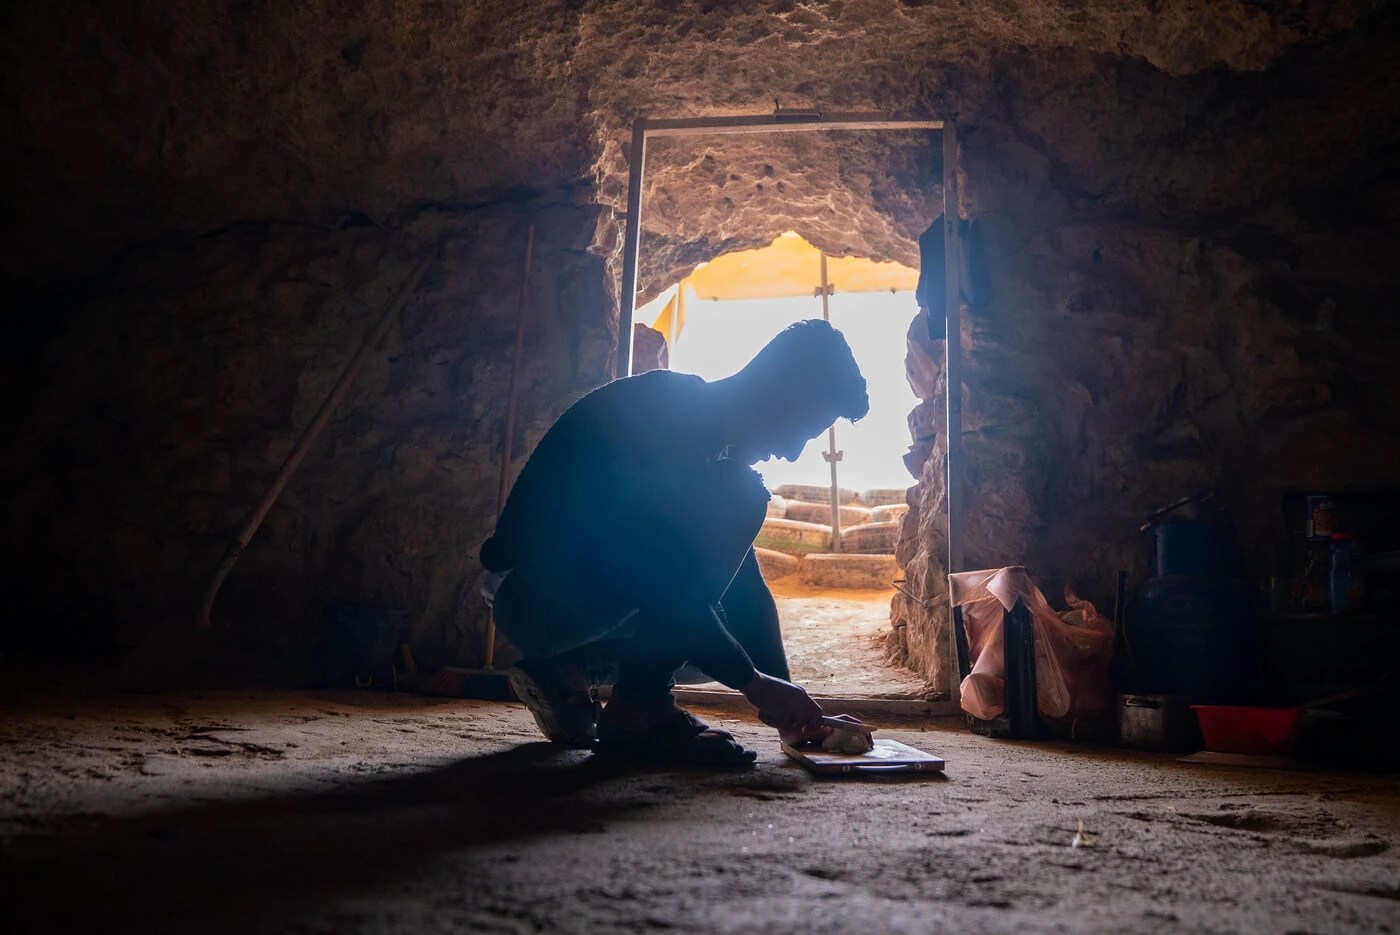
{"points": [[787, 707]]}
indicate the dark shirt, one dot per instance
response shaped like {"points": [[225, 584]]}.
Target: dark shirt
{"points": [[629, 496]]}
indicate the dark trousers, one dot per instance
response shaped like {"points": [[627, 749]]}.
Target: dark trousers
{"points": [[647, 665], [643, 593]]}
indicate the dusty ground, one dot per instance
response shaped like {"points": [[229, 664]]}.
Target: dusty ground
{"points": [[267, 811], [835, 640]]}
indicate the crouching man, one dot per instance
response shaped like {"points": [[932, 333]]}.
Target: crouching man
{"points": [[626, 545]]}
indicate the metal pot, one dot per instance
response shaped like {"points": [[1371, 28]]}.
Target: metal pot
{"points": [[1157, 722]]}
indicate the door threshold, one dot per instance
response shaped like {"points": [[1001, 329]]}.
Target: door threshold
{"points": [[871, 709]]}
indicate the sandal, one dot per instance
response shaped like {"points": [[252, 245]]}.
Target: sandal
{"points": [[563, 708], [678, 739]]}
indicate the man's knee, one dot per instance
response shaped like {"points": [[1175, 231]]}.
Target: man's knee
{"points": [[541, 618]]}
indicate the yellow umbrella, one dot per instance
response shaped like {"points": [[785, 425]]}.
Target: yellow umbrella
{"points": [[789, 266]]}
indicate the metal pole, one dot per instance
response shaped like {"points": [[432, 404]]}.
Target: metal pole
{"points": [[627, 300], [953, 348], [831, 454], [952, 370], [786, 121]]}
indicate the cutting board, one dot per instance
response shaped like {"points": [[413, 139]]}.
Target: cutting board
{"points": [[889, 756]]}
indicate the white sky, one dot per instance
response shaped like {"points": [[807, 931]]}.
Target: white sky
{"points": [[720, 337]]}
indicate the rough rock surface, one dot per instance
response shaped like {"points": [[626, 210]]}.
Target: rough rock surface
{"points": [[1188, 211], [229, 812], [220, 370], [155, 115]]}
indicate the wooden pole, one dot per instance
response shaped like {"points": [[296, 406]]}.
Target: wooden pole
{"points": [[308, 438], [831, 454], [513, 395], [508, 439]]}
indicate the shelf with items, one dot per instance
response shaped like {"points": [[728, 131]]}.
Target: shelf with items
{"points": [[1342, 560]]}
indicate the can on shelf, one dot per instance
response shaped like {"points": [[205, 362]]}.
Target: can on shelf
{"points": [[1322, 517]]}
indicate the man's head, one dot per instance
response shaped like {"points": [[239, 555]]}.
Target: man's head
{"points": [[794, 389]]}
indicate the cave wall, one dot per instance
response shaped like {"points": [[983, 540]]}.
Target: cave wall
{"points": [[1188, 207], [844, 191], [187, 372], [126, 121], [1164, 320]]}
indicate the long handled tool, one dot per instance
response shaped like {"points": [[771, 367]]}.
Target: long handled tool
{"points": [[508, 439], [488, 682], [308, 438]]}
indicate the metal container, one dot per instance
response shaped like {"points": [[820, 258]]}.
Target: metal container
{"points": [[1193, 537], [1157, 722], [1188, 635]]}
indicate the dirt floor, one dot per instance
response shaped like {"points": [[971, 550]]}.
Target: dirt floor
{"points": [[272, 811], [835, 640]]}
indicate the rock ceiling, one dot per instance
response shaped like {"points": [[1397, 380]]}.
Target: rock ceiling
{"points": [[129, 121]]}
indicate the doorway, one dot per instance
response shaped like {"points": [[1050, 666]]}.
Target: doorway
{"points": [[833, 581], [718, 222]]}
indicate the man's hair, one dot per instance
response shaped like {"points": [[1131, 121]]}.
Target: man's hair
{"points": [[812, 360]]}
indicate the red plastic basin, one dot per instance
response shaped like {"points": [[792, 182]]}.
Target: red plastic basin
{"points": [[1235, 729]]}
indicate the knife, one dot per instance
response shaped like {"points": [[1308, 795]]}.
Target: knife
{"points": [[846, 722]]}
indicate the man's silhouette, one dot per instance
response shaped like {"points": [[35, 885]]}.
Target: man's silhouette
{"points": [[628, 539]]}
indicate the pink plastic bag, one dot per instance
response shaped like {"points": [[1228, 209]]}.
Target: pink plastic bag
{"points": [[1072, 651]]}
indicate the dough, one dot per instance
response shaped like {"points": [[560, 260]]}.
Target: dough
{"points": [[849, 741]]}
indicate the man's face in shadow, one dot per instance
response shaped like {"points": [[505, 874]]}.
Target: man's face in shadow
{"points": [[783, 431]]}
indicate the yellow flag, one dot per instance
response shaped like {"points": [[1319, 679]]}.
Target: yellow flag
{"points": [[672, 317]]}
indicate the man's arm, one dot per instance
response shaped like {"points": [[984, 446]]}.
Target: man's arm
{"points": [[780, 704], [712, 648], [787, 707]]}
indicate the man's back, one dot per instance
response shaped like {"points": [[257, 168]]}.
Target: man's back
{"points": [[603, 456]]}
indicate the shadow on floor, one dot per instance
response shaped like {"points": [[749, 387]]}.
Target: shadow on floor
{"points": [[228, 863]]}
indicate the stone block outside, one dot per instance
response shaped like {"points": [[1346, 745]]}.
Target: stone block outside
{"points": [[849, 571]]}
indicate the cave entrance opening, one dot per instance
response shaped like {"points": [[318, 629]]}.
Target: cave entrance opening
{"points": [[786, 122], [843, 497]]}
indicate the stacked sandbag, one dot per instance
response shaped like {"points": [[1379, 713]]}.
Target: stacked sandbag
{"points": [[811, 493], [882, 496], [821, 513], [794, 537], [889, 513], [871, 538], [775, 565], [849, 571]]}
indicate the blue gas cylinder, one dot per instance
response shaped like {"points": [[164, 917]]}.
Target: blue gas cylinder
{"points": [[1187, 635]]}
